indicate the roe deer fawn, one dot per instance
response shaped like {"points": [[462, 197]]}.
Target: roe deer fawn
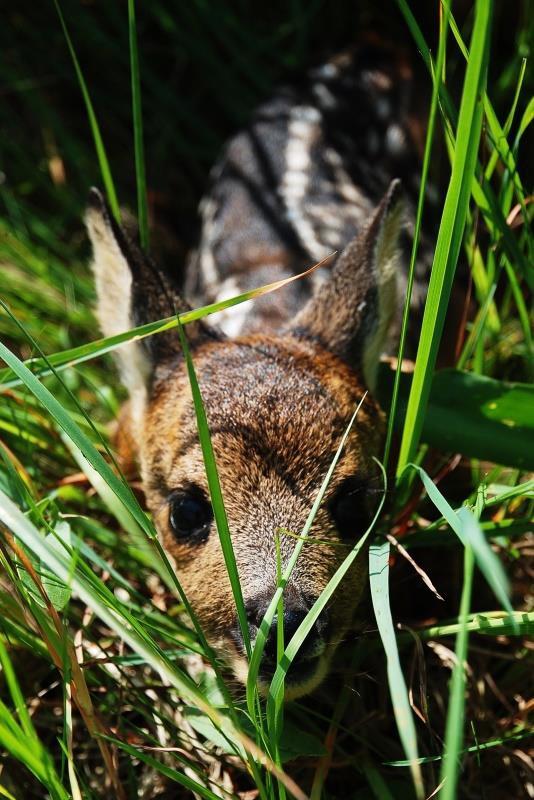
{"points": [[281, 379]]}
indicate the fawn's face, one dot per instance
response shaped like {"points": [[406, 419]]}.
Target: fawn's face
{"points": [[277, 408], [274, 434]]}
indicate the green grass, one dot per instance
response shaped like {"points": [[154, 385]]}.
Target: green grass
{"points": [[105, 688]]}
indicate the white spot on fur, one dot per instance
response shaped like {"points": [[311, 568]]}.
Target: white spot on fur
{"points": [[327, 71], [231, 320], [344, 185], [395, 139], [208, 268], [303, 132], [325, 97]]}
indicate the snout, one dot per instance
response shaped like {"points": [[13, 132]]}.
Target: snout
{"points": [[308, 666]]}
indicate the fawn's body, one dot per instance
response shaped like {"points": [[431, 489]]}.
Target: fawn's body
{"points": [[302, 181]]}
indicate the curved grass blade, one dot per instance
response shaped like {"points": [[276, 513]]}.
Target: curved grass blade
{"points": [[489, 623], [468, 530], [276, 689], [105, 169], [479, 746], [379, 581], [265, 625], [142, 209], [85, 352]]}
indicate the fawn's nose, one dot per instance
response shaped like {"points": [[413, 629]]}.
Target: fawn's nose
{"points": [[295, 610]]}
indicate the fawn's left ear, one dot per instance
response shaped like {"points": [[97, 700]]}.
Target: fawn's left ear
{"points": [[351, 312], [132, 291]]}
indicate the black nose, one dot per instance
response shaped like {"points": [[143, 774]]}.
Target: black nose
{"points": [[295, 610]]}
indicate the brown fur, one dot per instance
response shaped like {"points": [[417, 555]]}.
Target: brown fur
{"points": [[277, 407]]}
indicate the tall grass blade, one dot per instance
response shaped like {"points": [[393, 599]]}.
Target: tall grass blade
{"points": [[105, 168], [77, 355], [212, 475], [418, 221], [450, 232], [137, 115]]}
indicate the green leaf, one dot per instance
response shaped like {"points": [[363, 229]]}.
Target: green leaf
{"points": [[471, 414]]}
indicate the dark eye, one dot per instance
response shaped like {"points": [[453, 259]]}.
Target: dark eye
{"points": [[350, 508], [190, 513]]}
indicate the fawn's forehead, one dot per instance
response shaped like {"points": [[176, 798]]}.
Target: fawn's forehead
{"points": [[265, 399]]}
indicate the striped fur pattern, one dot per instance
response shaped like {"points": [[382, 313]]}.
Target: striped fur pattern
{"points": [[302, 180], [280, 379]]}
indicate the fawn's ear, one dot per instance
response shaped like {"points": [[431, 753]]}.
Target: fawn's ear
{"points": [[351, 312], [131, 291]]}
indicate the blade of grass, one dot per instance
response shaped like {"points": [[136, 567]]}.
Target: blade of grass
{"points": [[142, 209], [16, 694], [214, 485], [22, 742], [483, 194], [266, 622], [417, 230], [490, 623], [450, 231], [103, 602], [379, 582], [105, 168], [456, 709], [275, 697], [471, 535], [77, 355], [499, 742]]}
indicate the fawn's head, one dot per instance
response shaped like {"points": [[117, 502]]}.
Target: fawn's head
{"points": [[277, 407]]}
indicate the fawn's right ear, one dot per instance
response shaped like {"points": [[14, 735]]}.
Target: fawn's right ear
{"points": [[351, 312], [131, 291]]}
